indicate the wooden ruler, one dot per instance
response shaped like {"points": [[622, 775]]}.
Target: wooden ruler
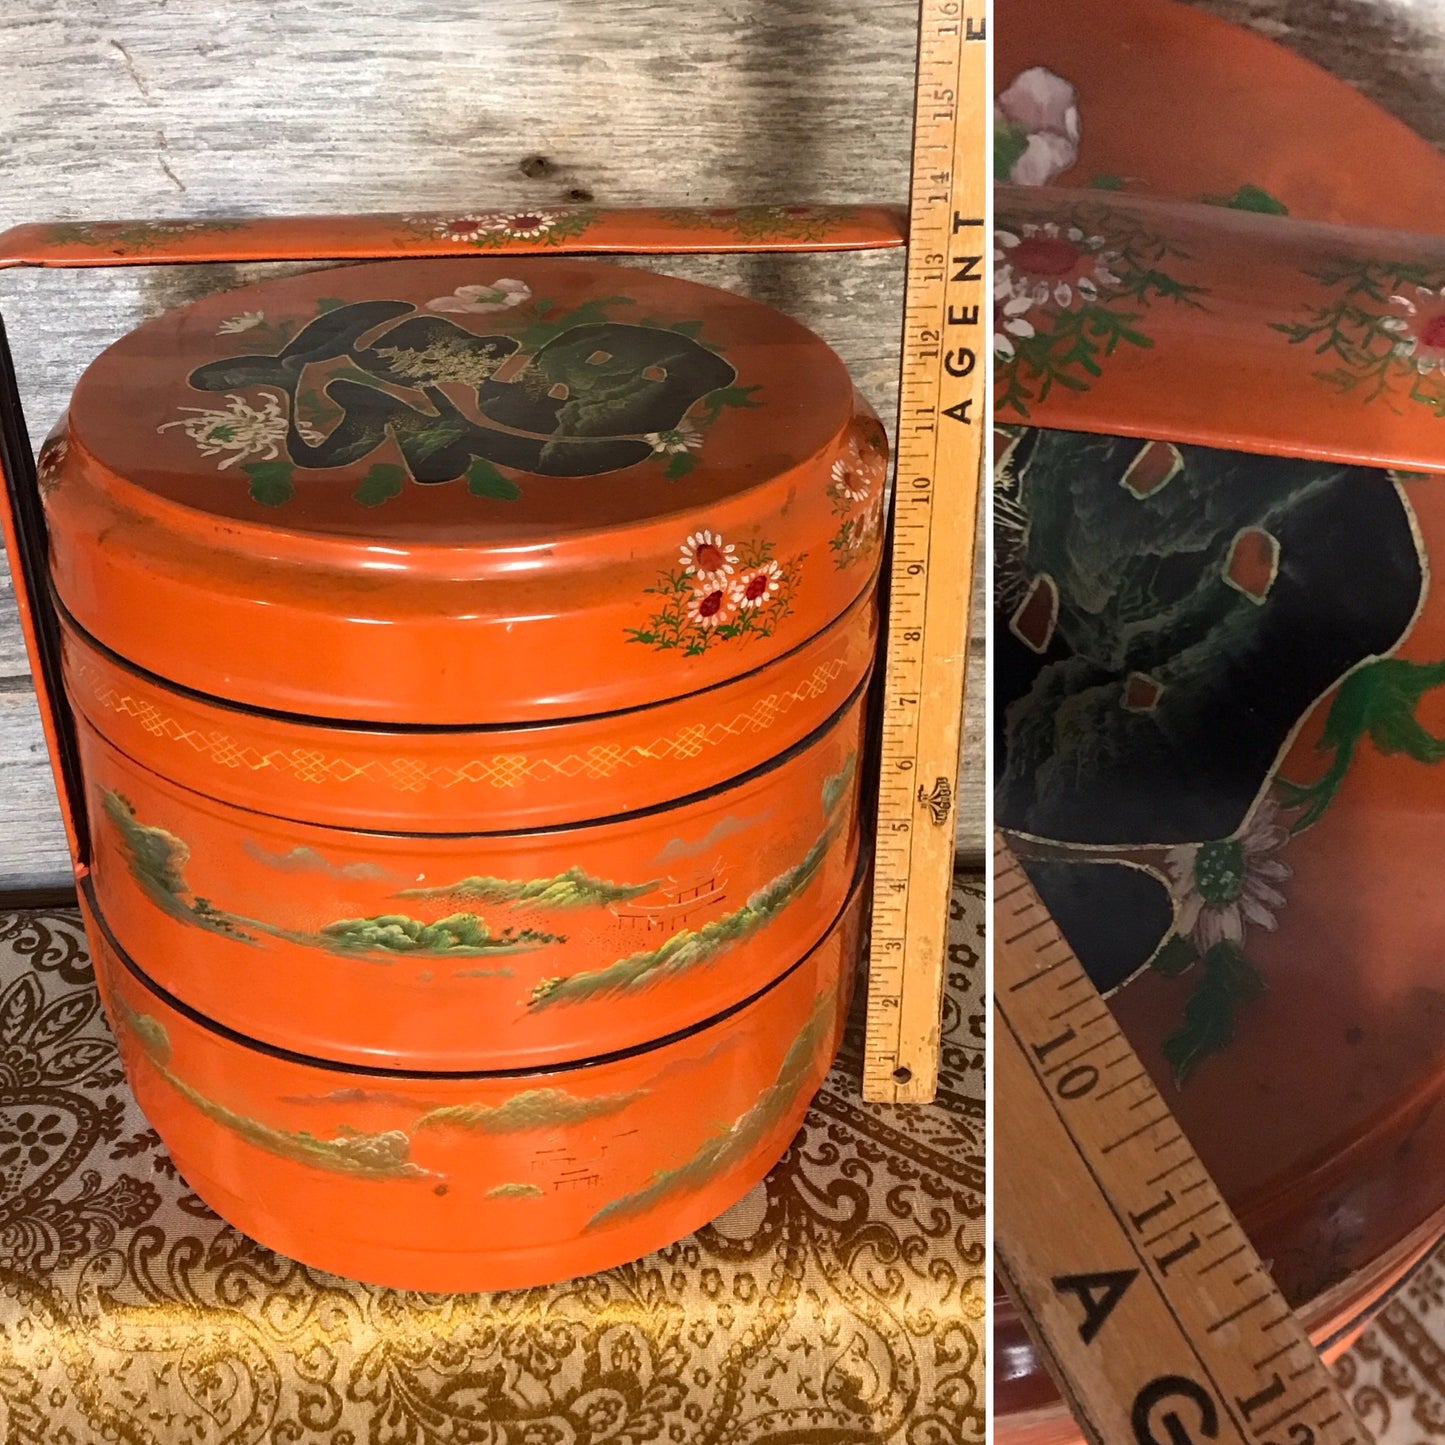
{"points": [[1157, 1318], [942, 421]]}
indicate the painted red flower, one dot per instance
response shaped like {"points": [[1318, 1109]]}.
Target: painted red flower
{"points": [[462, 228], [710, 606], [755, 586], [1049, 262], [710, 560], [1418, 326]]}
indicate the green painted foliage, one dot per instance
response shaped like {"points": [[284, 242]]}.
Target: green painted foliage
{"points": [[1009, 143], [158, 858], [271, 483], [1376, 701], [384, 481], [1251, 198], [374, 1156], [484, 480], [461, 935], [1354, 332], [1229, 981], [725, 1149], [689, 947], [575, 888]]}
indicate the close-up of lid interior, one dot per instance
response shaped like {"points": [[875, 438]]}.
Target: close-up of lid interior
{"points": [[1216, 648]]}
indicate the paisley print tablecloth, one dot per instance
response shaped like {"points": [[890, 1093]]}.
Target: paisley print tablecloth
{"points": [[842, 1301], [1395, 1373]]}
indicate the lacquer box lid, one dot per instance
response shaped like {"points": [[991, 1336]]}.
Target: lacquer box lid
{"points": [[463, 491]]}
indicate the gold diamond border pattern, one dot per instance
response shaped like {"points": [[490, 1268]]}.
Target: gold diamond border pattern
{"points": [[501, 770]]}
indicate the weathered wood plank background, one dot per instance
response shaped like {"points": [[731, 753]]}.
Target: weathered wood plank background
{"points": [[200, 107]]}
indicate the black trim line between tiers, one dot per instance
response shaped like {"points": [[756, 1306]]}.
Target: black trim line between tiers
{"points": [[377, 1071], [381, 729], [574, 826]]}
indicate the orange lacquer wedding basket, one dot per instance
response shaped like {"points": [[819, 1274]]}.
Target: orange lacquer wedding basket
{"points": [[458, 670]]}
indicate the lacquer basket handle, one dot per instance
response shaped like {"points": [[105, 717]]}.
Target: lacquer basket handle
{"points": [[552, 231], [1204, 324]]}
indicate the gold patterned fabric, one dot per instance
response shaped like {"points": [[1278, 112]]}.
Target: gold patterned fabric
{"points": [[1394, 1375], [842, 1301]]}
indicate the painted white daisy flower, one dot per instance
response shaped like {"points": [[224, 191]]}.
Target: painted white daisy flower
{"points": [[522, 225], [709, 606], [871, 521], [850, 480], [1010, 320], [461, 228], [673, 440], [1048, 262], [50, 460], [711, 560], [1418, 326], [1221, 887], [756, 585]]}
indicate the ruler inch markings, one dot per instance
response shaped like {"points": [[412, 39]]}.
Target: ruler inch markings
{"points": [[938, 452], [1278, 1354], [1224, 1259], [1151, 1331], [1123, 1084], [1100, 1194]]}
